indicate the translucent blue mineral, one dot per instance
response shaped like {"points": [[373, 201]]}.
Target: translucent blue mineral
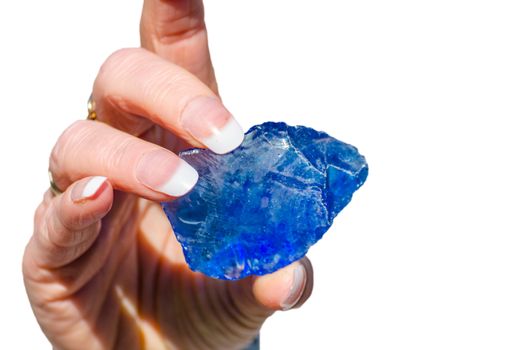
{"points": [[262, 206]]}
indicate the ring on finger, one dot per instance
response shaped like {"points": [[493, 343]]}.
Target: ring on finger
{"points": [[53, 186], [92, 115]]}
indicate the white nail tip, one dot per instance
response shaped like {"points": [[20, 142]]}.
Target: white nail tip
{"points": [[181, 182], [92, 186], [226, 139]]}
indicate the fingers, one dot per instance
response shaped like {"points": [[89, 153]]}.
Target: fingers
{"points": [[131, 164], [175, 30], [66, 226], [287, 288], [135, 82]]}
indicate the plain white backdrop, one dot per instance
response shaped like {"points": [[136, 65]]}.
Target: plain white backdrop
{"points": [[433, 251]]}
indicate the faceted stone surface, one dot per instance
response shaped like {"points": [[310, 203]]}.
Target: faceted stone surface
{"points": [[262, 206]]}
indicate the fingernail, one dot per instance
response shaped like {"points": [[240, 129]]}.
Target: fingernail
{"points": [[208, 121], [297, 287], [88, 190], [164, 172]]}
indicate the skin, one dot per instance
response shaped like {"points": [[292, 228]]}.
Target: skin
{"points": [[106, 271]]}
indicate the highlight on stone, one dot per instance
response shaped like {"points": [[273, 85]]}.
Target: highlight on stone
{"points": [[262, 206]]}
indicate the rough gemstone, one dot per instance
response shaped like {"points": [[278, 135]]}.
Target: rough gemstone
{"points": [[262, 206]]}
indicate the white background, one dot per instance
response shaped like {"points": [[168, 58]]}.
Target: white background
{"points": [[433, 251]]}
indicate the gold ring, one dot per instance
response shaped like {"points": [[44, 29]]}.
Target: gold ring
{"points": [[91, 109], [53, 186]]}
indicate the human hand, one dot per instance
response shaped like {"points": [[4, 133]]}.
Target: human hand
{"points": [[103, 268]]}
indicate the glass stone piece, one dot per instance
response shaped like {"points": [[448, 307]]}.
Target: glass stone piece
{"points": [[262, 206]]}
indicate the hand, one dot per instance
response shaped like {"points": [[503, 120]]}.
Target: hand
{"points": [[103, 268]]}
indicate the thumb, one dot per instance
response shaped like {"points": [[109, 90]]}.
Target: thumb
{"points": [[257, 298], [286, 288], [250, 301]]}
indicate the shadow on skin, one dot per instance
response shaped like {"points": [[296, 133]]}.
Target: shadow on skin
{"points": [[149, 298]]}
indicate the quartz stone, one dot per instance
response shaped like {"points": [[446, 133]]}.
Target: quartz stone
{"points": [[262, 206]]}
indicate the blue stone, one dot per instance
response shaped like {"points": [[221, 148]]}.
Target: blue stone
{"points": [[262, 206]]}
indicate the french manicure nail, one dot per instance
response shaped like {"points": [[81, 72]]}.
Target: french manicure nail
{"points": [[296, 289], [208, 121], [164, 172], [88, 190]]}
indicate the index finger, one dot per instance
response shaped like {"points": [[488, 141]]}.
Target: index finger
{"points": [[175, 30]]}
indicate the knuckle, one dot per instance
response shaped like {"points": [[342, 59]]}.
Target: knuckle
{"points": [[138, 62], [40, 221], [173, 85], [51, 230], [68, 138], [119, 155], [39, 213], [43, 229], [27, 261], [120, 62], [60, 237], [61, 231], [125, 54], [72, 137], [74, 222]]}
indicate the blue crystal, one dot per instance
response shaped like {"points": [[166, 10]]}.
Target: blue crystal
{"points": [[262, 206]]}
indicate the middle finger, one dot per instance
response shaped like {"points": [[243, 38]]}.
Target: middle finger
{"points": [[131, 164]]}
